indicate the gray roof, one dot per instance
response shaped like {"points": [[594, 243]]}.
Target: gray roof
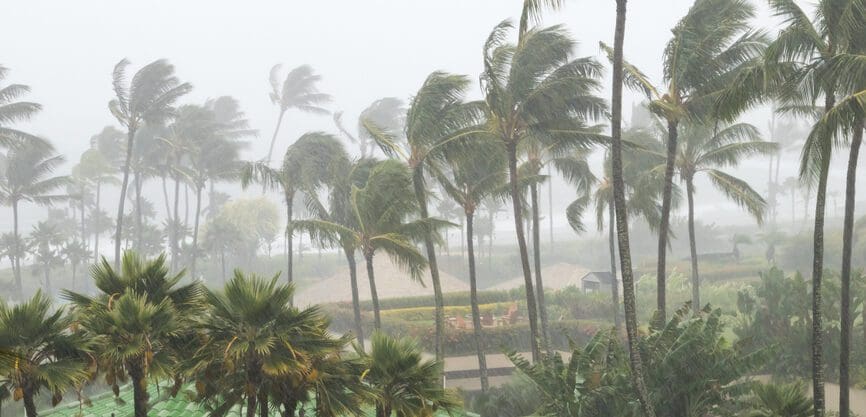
{"points": [[602, 276]]}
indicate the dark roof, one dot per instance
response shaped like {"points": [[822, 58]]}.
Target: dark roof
{"points": [[602, 276]]}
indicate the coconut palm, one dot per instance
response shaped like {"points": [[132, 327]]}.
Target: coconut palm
{"points": [[49, 355], [146, 100], [76, 253], [708, 150], [283, 341], [95, 168], [536, 91], [26, 176], [380, 210], [403, 382], [44, 244], [297, 91], [307, 164], [385, 113], [621, 213], [437, 116], [712, 45], [144, 311], [12, 111], [474, 173]]}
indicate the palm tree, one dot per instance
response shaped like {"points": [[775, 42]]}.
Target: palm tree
{"points": [[713, 45], [805, 47], [97, 169], [221, 236], [76, 252], [49, 355], [621, 212], [403, 382], [147, 100], [142, 309], [297, 91], [380, 210], [44, 242], [385, 113], [474, 174], [536, 91], [437, 116], [307, 164], [282, 342], [12, 111], [25, 176], [708, 150]]}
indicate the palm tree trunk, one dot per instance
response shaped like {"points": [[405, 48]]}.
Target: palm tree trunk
{"points": [[74, 269], [83, 223], [130, 141], [138, 222], [664, 224], [531, 308], [263, 404], [139, 388], [617, 321], [46, 273], [251, 405], [536, 255], [289, 407], [550, 202], [847, 247], [473, 300], [223, 264], [421, 196], [175, 226], [290, 197], [817, 276], [374, 295], [693, 248], [96, 226], [195, 230], [622, 216], [185, 204], [16, 264], [29, 404], [356, 299], [274, 138]]}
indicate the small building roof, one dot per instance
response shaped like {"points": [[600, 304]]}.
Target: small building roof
{"points": [[604, 277]]}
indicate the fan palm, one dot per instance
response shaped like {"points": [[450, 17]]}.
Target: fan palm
{"points": [[26, 176], [49, 355], [536, 91], [474, 173], [403, 382], [253, 333], [307, 164], [437, 117], [12, 111], [139, 318], [147, 99], [297, 91], [712, 45], [380, 210], [709, 150]]}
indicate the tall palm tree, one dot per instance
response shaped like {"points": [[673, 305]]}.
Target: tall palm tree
{"points": [[282, 342], [12, 111], [805, 47], [49, 355], [142, 309], [44, 244], [712, 45], [76, 252], [26, 176], [381, 209], [436, 117], [474, 173], [307, 164], [708, 150], [403, 382], [536, 91], [621, 212], [95, 168], [147, 99], [297, 91]]}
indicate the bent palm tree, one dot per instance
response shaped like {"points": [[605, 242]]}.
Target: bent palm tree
{"points": [[385, 113], [706, 151], [536, 91], [297, 91], [148, 99]]}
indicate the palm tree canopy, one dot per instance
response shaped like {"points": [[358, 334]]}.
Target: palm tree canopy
{"points": [[25, 175], [298, 90], [149, 96], [12, 111]]}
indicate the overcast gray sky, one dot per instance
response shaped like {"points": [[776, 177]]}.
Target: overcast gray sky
{"points": [[364, 50]]}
